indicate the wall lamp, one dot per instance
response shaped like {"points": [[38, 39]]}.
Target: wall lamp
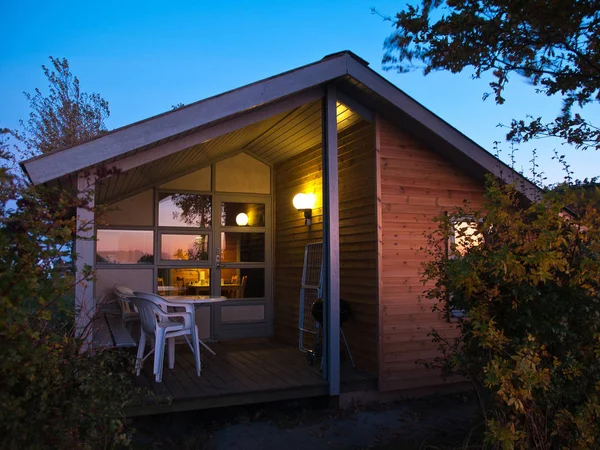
{"points": [[305, 203]]}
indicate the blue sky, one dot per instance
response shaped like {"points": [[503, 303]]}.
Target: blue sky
{"points": [[144, 57]]}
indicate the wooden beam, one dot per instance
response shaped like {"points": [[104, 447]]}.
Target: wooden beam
{"points": [[377, 124], [85, 302], [355, 106], [331, 241]]}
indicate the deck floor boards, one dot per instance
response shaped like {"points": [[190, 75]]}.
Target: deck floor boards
{"points": [[243, 371]]}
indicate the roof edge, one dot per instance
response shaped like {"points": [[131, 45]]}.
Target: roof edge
{"points": [[440, 127], [139, 135], [148, 131]]}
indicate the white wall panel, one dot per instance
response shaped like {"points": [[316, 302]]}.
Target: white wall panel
{"points": [[242, 313], [137, 279], [133, 211], [243, 173], [195, 181]]}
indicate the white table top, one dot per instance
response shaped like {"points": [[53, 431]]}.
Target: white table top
{"points": [[195, 299]]}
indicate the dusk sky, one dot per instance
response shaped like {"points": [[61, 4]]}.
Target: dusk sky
{"points": [[144, 57]]}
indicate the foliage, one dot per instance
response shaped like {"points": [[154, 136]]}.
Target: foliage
{"points": [[529, 284], [63, 118], [53, 394], [552, 43]]}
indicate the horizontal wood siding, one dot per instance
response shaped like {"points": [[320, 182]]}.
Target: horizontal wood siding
{"points": [[302, 173], [358, 242], [358, 238], [416, 185]]}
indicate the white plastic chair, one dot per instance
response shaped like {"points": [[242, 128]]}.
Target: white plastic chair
{"points": [[129, 313], [164, 327], [171, 305]]}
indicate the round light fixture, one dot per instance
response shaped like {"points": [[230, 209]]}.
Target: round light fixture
{"points": [[241, 219], [304, 201]]}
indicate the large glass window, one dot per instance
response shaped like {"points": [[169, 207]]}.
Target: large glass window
{"points": [[184, 281], [243, 247], [243, 214], [124, 247], [184, 210], [184, 247]]}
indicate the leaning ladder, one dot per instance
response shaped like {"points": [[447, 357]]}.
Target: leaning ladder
{"points": [[310, 292]]}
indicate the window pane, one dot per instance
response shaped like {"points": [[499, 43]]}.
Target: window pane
{"points": [[184, 247], [125, 247], [186, 281], [466, 235], [243, 283], [243, 214], [243, 247], [184, 210]]}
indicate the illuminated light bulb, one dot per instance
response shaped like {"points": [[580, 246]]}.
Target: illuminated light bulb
{"points": [[304, 201], [241, 219]]}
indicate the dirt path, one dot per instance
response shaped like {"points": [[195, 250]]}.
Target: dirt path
{"points": [[401, 425], [441, 422]]}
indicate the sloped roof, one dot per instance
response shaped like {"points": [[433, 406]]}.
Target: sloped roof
{"points": [[347, 70]]}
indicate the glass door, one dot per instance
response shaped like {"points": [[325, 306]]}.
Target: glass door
{"points": [[242, 266]]}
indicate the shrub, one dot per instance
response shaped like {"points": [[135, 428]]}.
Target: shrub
{"points": [[529, 284], [52, 393]]}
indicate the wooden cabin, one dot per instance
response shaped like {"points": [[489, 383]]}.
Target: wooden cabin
{"points": [[201, 203]]}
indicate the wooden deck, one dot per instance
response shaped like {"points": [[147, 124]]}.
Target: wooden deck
{"points": [[242, 372]]}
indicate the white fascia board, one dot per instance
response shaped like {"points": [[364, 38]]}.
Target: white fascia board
{"points": [[253, 116], [117, 143]]}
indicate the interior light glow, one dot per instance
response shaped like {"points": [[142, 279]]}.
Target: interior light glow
{"points": [[241, 219]]}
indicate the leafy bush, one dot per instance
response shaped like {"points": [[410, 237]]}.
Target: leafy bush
{"points": [[52, 394], [529, 285]]}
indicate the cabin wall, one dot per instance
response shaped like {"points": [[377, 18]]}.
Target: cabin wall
{"points": [[416, 184], [358, 238]]}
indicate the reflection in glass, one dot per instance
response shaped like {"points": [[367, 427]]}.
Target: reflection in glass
{"points": [[243, 283], [254, 211], [184, 210], [125, 247], [243, 247], [466, 235], [187, 281], [184, 247]]}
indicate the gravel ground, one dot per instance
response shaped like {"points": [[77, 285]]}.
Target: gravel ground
{"points": [[435, 423]]}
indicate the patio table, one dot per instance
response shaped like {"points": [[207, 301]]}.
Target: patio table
{"points": [[197, 301]]}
